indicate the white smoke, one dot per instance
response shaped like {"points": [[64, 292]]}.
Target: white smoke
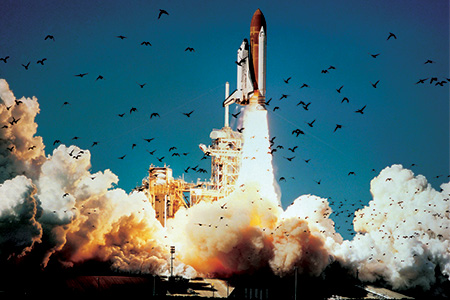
{"points": [[56, 209], [403, 235]]}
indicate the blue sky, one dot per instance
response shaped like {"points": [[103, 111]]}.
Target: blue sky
{"points": [[403, 122]]}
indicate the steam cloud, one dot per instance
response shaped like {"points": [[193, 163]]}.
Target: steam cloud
{"points": [[54, 208]]}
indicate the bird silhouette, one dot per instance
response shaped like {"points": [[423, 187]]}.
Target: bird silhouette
{"points": [[305, 106], [351, 173], [275, 108], [121, 37], [304, 85], [297, 131], [337, 127], [160, 158], [375, 84], [421, 81], [122, 157], [429, 62], [133, 109], [339, 89], [81, 75], [293, 149], [190, 49], [311, 124], [162, 12], [188, 114], [146, 43], [289, 158], [325, 71], [41, 61], [236, 115], [121, 115], [154, 115], [374, 55], [287, 80], [56, 142], [283, 96], [26, 66], [345, 99], [49, 37], [99, 77], [361, 110], [149, 140], [141, 85], [4, 59], [391, 35]]}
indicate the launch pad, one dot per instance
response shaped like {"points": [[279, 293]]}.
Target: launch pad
{"points": [[167, 195]]}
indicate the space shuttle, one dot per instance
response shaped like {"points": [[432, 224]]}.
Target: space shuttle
{"points": [[251, 66]]}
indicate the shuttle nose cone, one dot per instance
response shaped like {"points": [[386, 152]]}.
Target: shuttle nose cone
{"points": [[258, 21]]}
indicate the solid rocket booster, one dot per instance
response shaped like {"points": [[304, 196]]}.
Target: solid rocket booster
{"points": [[251, 65]]}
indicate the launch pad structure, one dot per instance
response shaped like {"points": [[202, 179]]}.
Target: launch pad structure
{"points": [[167, 194]]}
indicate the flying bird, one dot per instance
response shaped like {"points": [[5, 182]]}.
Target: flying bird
{"points": [[41, 61], [283, 96], [293, 149], [49, 37], [99, 77], [337, 127], [311, 124], [287, 80], [133, 109], [345, 99], [361, 110], [81, 75], [146, 43], [304, 85], [375, 84], [26, 66], [275, 108], [56, 142], [391, 35], [351, 173], [121, 115], [339, 89], [4, 59], [190, 49], [188, 114], [374, 55], [421, 81], [429, 62], [297, 131], [141, 85], [154, 115], [162, 12], [236, 115], [149, 140], [122, 157], [121, 37]]}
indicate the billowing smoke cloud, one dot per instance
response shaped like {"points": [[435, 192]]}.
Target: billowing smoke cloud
{"points": [[19, 229], [403, 235], [54, 209]]}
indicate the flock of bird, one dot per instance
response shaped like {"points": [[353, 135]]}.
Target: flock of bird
{"points": [[296, 132]]}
